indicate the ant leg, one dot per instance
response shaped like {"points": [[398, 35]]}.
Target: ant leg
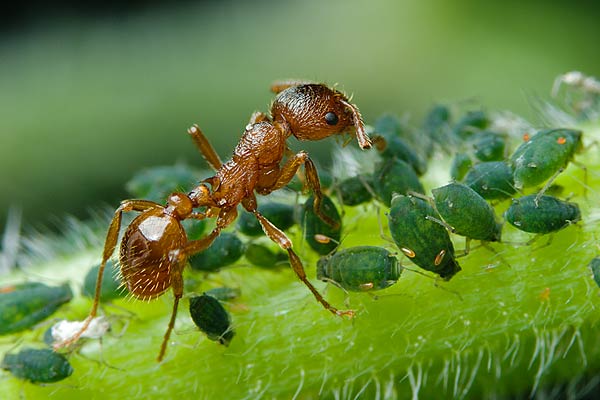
{"points": [[177, 284], [109, 247], [280, 86], [312, 177], [277, 236], [205, 148]]}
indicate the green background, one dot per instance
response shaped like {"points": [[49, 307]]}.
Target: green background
{"points": [[87, 99]]}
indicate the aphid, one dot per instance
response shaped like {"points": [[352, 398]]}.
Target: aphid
{"points": [[38, 365], [157, 183], [391, 145], [224, 251], [261, 256], [280, 214], [211, 318], [24, 305], [354, 191], [466, 212], [155, 248], [360, 268], [395, 176], [424, 241], [313, 225], [493, 180], [470, 123], [436, 128], [544, 155], [542, 214], [488, 146], [595, 268], [224, 293], [461, 164], [111, 286]]}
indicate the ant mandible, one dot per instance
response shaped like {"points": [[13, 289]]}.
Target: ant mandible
{"points": [[154, 249]]}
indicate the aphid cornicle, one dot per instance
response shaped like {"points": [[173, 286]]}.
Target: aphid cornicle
{"points": [[155, 247]]}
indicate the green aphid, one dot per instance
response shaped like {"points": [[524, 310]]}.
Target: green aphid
{"points": [[461, 164], [436, 129], [389, 143], [360, 269], [298, 185], [224, 293], [595, 267], [157, 183], [262, 256], [354, 191], [38, 365], [280, 214], [424, 241], [315, 228], [543, 155], [24, 305], [489, 146], [543, 214], [395, 176], [493, 180], [470, 123], [225, 250], [467, 212], [194, 228], [110, 283], [210, 317]]}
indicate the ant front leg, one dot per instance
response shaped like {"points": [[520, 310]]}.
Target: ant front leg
{"points": [[109, 247], [205, 148], [312, 177], [277, 236]]}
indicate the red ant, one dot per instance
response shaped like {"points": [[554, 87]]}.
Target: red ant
{"points": [[155, 248]]}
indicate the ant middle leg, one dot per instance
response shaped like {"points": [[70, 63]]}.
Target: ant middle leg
{"points": [[279, 237], [109, 247]]}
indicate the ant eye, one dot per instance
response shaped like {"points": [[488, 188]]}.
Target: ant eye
{"points": [[331, 118]]}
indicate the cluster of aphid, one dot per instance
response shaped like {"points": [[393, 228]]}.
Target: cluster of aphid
{"points": [[163, 239]]}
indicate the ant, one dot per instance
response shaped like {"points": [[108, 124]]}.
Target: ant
{"points": [[155, 248]]}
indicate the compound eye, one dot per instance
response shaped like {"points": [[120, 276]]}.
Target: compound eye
{"points": [[331, 118]]}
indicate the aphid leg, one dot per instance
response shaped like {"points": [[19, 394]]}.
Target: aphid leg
{"points": [[336, 284], [442, 223], [585, 174], [205, 148], [547, 186], [277, 236], [109, 247], [485, 245]]}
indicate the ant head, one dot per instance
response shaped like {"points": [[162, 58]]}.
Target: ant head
{"points": [[179, 205], [314, 112]]}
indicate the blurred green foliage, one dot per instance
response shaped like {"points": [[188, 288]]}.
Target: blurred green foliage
{"points": [[87, 102]]}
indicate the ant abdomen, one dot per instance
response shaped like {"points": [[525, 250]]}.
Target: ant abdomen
{"points": [[146, 267]]}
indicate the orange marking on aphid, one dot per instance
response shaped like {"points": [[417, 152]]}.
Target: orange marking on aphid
{"points": [[408, 252], [322, 238], [526, 137], [561, 140], [439, 257]]}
